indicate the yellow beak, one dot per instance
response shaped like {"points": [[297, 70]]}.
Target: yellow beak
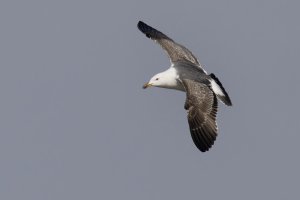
{"points": [[146, 85]]}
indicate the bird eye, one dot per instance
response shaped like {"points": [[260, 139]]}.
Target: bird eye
{"points": [[157, 79]]}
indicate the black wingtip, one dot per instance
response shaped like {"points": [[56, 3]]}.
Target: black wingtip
{"points": [[203, 137], [149, 31], [144, 28], [140, 23]]}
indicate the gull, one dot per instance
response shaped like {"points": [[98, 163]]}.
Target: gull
{"points": [[202, 90]]}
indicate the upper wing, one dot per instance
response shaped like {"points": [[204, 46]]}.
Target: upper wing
{"points": [[175, 51], [202, 106]]}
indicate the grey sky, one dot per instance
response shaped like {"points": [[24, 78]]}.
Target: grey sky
{"points": [[76, 124]]}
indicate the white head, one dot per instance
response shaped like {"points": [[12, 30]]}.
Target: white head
{"points": [[157, 81], [166, 79]]}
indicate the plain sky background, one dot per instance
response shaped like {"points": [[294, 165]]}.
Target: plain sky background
{"points": [[76, 124]]}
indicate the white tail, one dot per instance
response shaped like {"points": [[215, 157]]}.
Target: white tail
{"points": [[219, 90]]}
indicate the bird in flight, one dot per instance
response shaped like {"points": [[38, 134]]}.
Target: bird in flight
{"points": [[202, 90]]}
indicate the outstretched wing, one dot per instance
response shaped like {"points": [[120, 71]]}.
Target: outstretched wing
{"points": [[202, 106], [175, 51]]}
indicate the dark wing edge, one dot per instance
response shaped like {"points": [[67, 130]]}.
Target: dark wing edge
{"points": [[175, 51], [202, 106]]}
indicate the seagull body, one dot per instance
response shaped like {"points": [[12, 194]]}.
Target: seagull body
{"points": [[202, 89]]}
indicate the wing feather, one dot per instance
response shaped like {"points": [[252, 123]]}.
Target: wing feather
{"points": [[175, 51], [202, 106]]}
